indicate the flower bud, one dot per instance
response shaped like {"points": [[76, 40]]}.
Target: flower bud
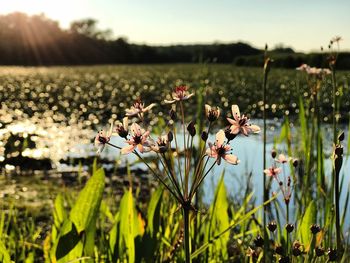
{"points": [[170, 136], [341, 137], [315, 229], [204, 136], [191, 129], [284, 259], [332, 254], [173, 115], [279, 250], [295, 162], [272, 226], [289, 228], [273, 153], [259, 241], [319, 251], [296, 249]]}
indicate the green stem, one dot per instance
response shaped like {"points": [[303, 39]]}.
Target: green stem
{"points": [[337, 214], [287, 208], [186, 213], [265, 193]]}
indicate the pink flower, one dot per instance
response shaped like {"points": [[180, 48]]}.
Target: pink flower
{"points": [[241, 123], [102, 138], [282, 159], [318, 72], [180, 93], [122, 128], [139, 140], [303, 67], [161, 145], [138, 108], [273, 172], [220, 150]]}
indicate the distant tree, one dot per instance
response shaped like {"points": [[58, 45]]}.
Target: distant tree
{"points": [[88, 27]]}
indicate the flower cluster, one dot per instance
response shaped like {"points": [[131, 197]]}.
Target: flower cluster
{"points": [[192, 164], [313, 71], [274, 171]]}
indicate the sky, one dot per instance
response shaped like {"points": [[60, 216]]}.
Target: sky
{"points": [[303, 25]]}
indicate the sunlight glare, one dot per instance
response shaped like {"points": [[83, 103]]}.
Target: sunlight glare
{"points": [[63, 11]]}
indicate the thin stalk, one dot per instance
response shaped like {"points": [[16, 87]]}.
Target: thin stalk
{"points": [[178, 160], [186, 213], [185, 149], [158, 177], [334, 97], [287, 218], [170, 175], [201, 180], [265, 197], [337, 214]]}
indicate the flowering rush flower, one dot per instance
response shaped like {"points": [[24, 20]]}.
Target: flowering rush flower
{"points": [[314, 71], [273, 172], [283, 159], [139, 140], [220, 150], [161, 145], [241, 123], [180, 93], [122, 128], [212, 113], [138, 108], [102, 138]]}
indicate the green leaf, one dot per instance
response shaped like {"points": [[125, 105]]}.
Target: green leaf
{"points": [[88, 203], [69, 245], [59, 214], [4, 254], [130, 226], [243, 218], [219, 220], [153, 212], [308, 219], [303, 124]]}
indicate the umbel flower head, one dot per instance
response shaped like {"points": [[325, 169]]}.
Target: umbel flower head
{"points": [[138, 108], [240, 124], [139, 140], [180, 93], [219, 150], [102, 138]]}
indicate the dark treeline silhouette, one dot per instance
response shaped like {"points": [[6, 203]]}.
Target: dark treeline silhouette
{"points": [[38, 40]]}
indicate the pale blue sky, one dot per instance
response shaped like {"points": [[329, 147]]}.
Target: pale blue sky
{"points": [[304, 25]]}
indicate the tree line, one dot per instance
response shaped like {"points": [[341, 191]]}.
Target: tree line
{"points": [[38, 40]]}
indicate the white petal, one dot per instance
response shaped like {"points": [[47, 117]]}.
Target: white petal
{"points": [[235, 129], [127, 149], [254, 128], [231, 121], [149, 107], [131, 112], [220, 137], [235, 111], [230, 158], [100, 148], [169, 101], [207, 109], [110, 130], [125, 123], [136, 129]]}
